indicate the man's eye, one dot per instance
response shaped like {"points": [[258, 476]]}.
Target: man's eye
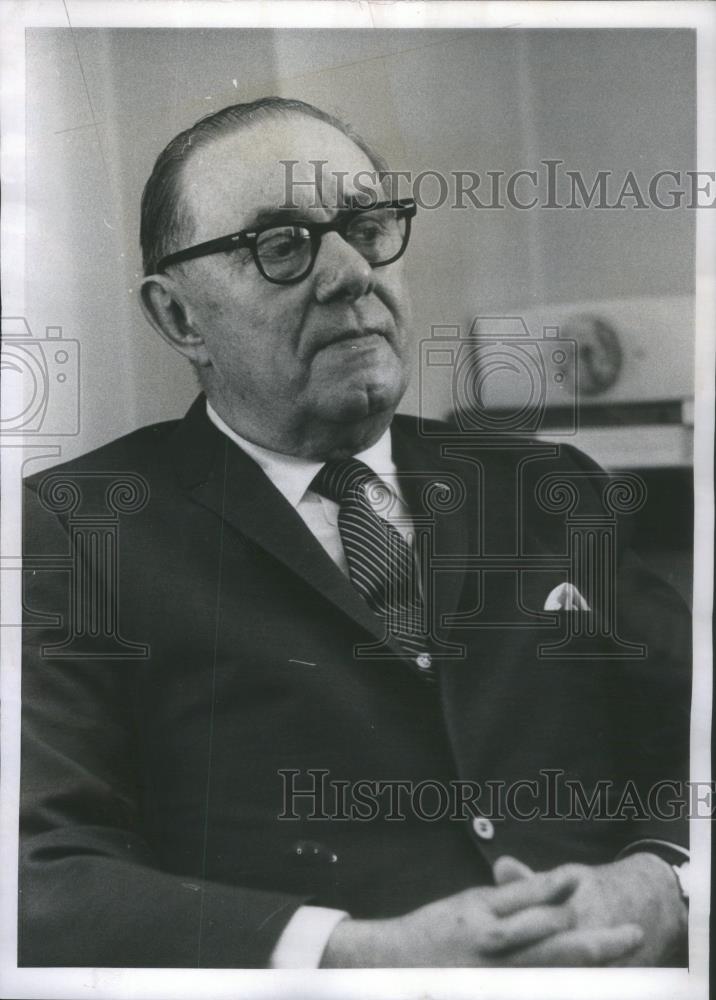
{"points": [[372, 227], [281, 243]]}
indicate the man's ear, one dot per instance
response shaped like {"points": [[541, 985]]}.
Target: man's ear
{"points": [[164, 307]]}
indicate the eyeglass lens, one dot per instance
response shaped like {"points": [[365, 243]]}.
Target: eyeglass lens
{"points": [[285, 252]]}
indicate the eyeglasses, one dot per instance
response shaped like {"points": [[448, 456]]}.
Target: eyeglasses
{"points": [[286, 254]]}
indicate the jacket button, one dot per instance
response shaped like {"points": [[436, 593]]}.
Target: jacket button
{"points": [[424, 661], [483, 828]]}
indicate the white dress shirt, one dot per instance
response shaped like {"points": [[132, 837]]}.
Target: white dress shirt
{"points": [[292, 476], [305, 936]]}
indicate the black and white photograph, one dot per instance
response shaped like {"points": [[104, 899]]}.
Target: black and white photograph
{"points": [[357, 483]]}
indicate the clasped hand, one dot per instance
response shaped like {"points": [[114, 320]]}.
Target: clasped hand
{"points": [[625, 913]]}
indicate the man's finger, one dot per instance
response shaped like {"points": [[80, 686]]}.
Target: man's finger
{"points": [[594, 946], [527, 926], [507, 869], [550, 887]]}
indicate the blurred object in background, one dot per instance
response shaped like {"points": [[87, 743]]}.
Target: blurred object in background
{"points": [[614, 378]]}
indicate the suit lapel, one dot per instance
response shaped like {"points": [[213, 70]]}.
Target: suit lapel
{"points": [[222, 478], [431, 484]]}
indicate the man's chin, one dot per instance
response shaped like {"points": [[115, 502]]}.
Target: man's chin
{"points": [[365, 401]]}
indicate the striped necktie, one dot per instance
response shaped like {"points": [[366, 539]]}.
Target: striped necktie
{"points": [[380, 561]]}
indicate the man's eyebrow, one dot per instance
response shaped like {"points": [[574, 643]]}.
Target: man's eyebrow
{"points": [[273, 213], [282, 214]]}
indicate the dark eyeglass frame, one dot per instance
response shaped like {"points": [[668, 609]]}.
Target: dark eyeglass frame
{"points": [[405, 209]]}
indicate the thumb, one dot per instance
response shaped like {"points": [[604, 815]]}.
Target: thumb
{"points": [[507, 869]]}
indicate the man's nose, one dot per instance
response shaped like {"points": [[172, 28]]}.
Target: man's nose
{"points": [[341, 272]]}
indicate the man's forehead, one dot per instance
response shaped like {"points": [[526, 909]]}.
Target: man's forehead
{"points": [[295, 160]]}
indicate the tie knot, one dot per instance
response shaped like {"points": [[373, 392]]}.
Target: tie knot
{"points": [[344, 479]]}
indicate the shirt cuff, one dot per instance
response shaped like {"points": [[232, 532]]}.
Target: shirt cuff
{"points": [[305, 937], [673, 853]]}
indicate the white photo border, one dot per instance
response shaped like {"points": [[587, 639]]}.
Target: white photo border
{"points": [[554, 984]]}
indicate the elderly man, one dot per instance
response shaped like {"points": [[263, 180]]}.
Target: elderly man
{"points": [[279, 623]]}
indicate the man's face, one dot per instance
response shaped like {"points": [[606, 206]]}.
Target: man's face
{"points": [[294, 367]]}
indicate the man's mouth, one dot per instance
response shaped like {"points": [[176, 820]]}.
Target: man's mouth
{"points": [[353, 337]]}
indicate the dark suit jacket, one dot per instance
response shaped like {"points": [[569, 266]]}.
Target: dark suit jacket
{"points": [[204, 646]]}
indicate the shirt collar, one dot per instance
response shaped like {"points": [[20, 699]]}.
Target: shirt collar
{"points": [[292, 475]]}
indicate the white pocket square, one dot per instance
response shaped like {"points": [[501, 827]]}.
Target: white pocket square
{"points": [[565, 597]]}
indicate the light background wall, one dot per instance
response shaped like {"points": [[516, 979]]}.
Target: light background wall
{"points": [[101, 104]]}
